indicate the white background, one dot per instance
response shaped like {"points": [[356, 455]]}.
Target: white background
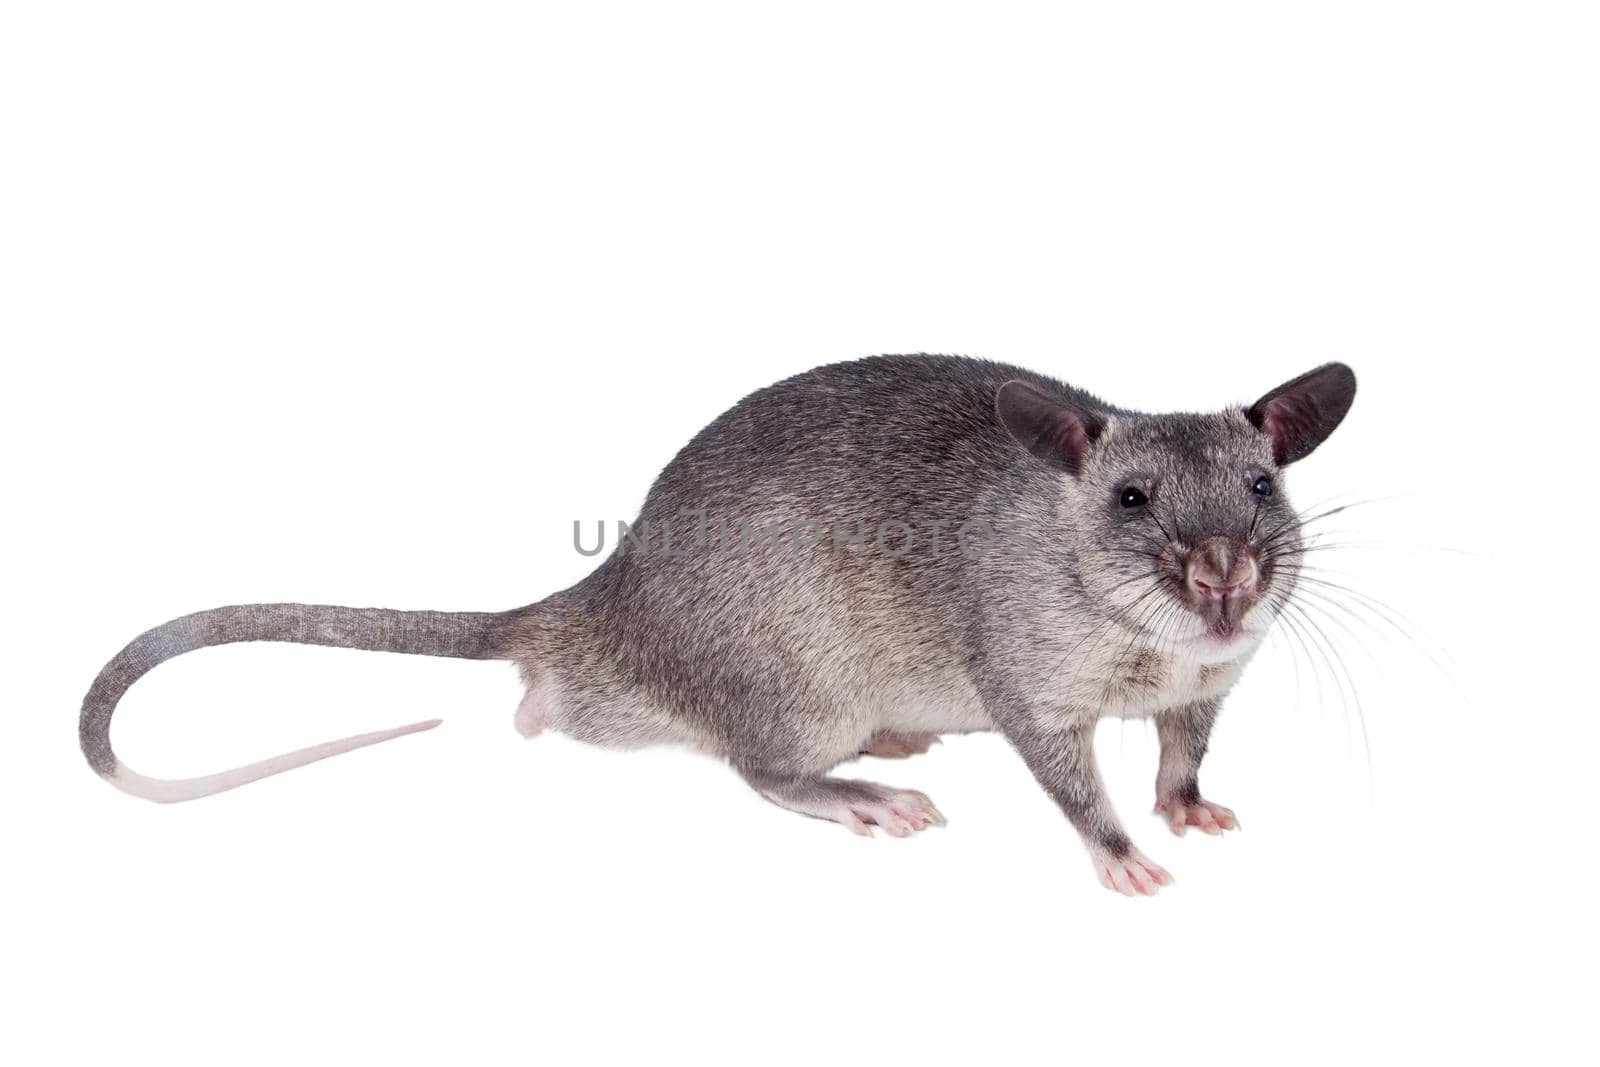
{"points": [[366, 303]]}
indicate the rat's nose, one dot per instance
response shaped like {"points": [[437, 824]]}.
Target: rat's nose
{"points": [[1220, 569]]}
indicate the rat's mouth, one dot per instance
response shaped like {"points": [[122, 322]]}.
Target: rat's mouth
{"points": [[1221, 638], [1223, 617], [1223, 621]]}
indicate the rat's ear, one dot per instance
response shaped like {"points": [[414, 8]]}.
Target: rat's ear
{"points": [[1299, 415], [1054, 430]]}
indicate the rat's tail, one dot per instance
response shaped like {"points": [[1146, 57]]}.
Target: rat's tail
{"points": [[468, 635]]}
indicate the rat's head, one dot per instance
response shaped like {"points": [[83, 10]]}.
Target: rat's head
{"points": [[1180, 524]]}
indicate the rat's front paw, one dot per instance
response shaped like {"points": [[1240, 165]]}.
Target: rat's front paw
{"points": [[1212, 818], [1129, 874]]}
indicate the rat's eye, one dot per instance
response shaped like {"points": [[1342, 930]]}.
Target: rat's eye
{"points": [[1263, 486], [1133, 498]]}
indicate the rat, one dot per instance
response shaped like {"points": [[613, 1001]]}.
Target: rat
{"points": [[868, 555]]}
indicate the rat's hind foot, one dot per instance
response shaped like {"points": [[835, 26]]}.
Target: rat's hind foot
{"points": [[1130, 874], [1212, 818], [890, 745], [857, 806]]}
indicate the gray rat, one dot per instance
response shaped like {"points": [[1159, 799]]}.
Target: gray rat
{"points": [[868, 555]]}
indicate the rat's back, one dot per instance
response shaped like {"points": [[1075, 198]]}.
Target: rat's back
{"points": [[782, 584], [886, 433]]}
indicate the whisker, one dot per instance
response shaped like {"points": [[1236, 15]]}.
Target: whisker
{"points": [[1349, 682], [1314, 640], [1385, 611]]}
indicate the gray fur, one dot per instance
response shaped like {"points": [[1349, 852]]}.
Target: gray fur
{"points": [[788, 661]]}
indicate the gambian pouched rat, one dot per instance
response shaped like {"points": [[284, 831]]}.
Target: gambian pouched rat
{"points": [[867, 555]]}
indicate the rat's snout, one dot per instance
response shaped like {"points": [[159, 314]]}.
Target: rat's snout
{"points": [[1221, 577], [1220, 568]]}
